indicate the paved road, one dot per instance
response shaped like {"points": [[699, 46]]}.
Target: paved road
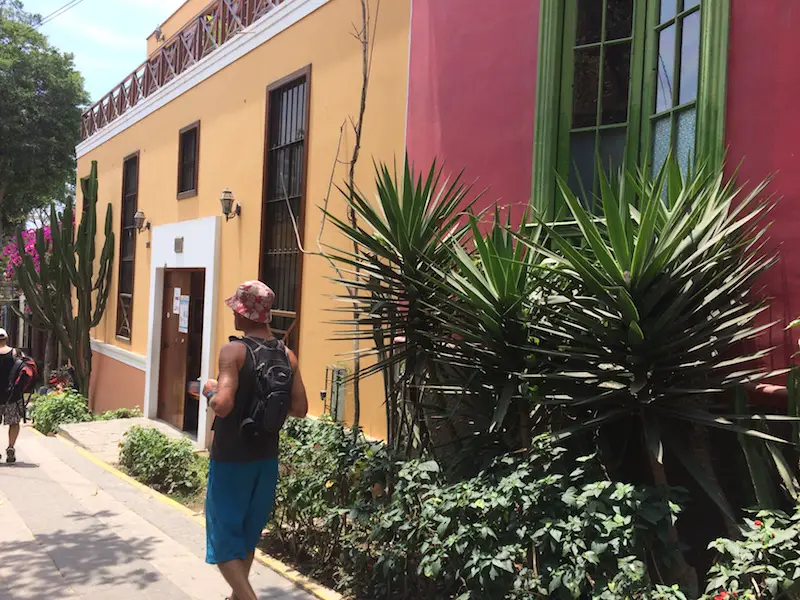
{"points": [[70, 529]]}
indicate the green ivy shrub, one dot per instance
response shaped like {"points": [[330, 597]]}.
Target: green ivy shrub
{"points": [[763, 564], [324, 472], [59, 408], [33, 400], [166, 464], [532, 527], [535, 526], [120, 413]]}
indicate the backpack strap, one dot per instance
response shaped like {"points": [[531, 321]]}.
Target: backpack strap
{"points": [[253, 344], [264, 344], [252, 353]]}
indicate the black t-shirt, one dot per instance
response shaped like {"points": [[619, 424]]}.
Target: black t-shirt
{"points": [[6, 364], [228, 445]]}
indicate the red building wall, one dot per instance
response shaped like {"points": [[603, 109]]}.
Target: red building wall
{"points": [[763, 132], [472, 86]]}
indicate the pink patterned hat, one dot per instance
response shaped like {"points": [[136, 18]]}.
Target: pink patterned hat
{"points": [[253, 300]]}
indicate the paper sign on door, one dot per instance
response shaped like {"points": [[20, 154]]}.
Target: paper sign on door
{"points": [[176, 300], [183, 315]]}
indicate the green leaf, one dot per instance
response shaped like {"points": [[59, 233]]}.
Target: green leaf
{"points": [[635, 334], [757, 466], [591, 233], [706, 418], [645, 236], [785, 471], [615, 215], [627, 305], [430, 466], [652, 436], [503, 403], [707, 482]]}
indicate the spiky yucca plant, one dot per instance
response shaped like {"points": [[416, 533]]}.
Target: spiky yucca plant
{"points": [[661, 310], [483, 306], [631, 323], [403, 239], [660, 319]]}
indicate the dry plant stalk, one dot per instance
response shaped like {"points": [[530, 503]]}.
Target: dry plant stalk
{"points": [[366, 35]]}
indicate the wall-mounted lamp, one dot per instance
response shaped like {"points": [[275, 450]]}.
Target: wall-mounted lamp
{"points": [[139, 221], [226, 199]]}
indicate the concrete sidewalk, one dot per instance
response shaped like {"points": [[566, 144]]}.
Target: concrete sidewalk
{"points": [[71, 529], [102, 438]]}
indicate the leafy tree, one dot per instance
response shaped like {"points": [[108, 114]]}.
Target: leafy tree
{"points": [[41, 100], [14, 10]]}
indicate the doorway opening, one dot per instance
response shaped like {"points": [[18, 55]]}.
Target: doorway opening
{"points": [[181, 348]]}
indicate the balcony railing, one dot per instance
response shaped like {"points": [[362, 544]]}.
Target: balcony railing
{"points": [[215, 25]]}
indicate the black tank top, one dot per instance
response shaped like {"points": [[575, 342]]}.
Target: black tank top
{"points": [[6, 364], [228, 445]]}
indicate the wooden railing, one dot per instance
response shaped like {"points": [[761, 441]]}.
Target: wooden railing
{"points": [[215, 25]]}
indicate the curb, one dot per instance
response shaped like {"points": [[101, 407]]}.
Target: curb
{"points": [[301, 581], [64, 435]]}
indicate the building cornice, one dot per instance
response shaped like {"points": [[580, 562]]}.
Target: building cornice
{"points": [[251, 38]]}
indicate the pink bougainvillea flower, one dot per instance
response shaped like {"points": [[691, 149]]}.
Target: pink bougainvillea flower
{"points": [[12, 256]]}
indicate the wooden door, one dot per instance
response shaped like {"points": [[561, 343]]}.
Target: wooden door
{"points": [[174, 352]]}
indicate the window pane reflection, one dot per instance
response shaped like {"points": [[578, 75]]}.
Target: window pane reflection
{"points": [[690, 58], [666, 69], [661, 141], [586, 80], [616, 81]]}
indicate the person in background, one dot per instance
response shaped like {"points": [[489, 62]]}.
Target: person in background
{"points": [[9, 411], [242, 477]]}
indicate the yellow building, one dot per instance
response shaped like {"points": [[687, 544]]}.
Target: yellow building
{"points": [[254, 97]]}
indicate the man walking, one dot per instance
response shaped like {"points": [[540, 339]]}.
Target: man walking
{"points": [[242, 474], [10, 413]]}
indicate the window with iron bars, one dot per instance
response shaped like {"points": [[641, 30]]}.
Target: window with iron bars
{"points": [[283, 211], [127, 246], [188, 160]]}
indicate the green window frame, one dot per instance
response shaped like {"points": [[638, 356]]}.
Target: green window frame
{"points": [[654, 96]]}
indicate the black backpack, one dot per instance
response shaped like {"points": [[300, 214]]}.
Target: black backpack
{"points": [[266, 412], [21, 380]]}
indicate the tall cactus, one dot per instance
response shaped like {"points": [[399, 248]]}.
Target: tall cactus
{"points": [[64, 294]]}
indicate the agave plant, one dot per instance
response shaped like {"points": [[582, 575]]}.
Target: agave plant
{"points": [[404, 238], [656, 326], [483, 306]]}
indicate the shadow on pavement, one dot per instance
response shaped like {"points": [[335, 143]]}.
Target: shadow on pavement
{"points": [[87, 555], [274, 593]]}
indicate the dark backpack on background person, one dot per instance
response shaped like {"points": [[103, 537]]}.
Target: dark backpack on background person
{"points": [[271, 399], [21, 380]]}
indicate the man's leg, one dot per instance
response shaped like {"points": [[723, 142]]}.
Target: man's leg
{"points": [[9, 415], [236, 573], [13, 434], [230, 486], [12, 417], [248, 563], [258, 512]]}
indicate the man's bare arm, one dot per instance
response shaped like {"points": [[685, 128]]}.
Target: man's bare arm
{"points": [[299, 406], [231, 359]]}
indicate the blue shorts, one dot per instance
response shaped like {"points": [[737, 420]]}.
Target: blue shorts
{"points": [[238, 505]]}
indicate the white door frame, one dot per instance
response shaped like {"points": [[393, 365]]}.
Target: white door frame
{"points": [[201, 248]]}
